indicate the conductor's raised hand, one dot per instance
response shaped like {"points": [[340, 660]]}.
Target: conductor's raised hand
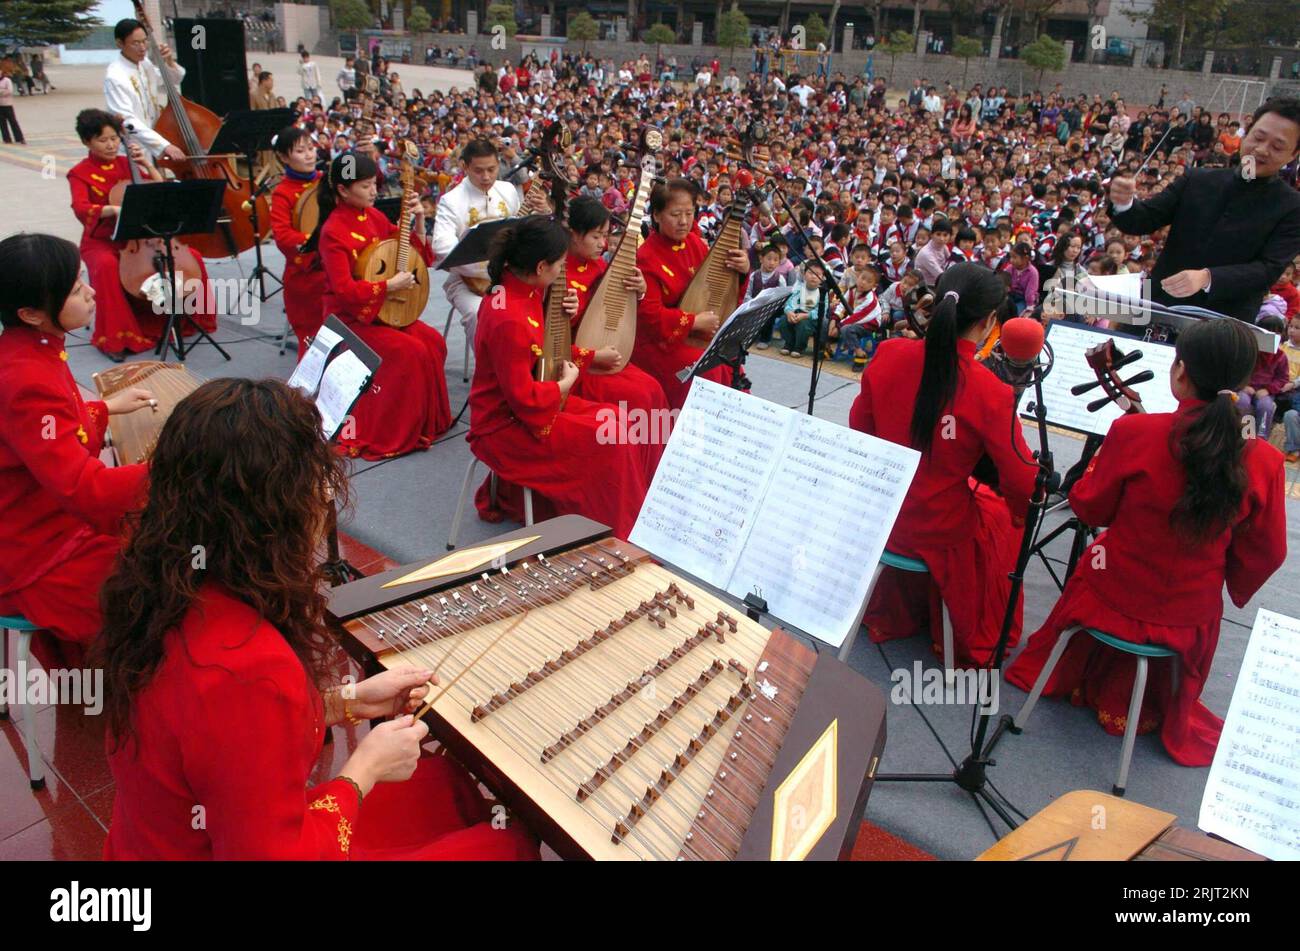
{"points": [[1186, 283], [1122, 190]]}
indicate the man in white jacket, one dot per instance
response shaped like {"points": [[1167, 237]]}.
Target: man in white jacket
{"points": [[134, 89], [477, 198]]}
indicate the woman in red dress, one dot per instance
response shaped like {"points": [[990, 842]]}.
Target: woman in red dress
{"points": [[406, 406], [540, 434], [122, 324], [669, 259], [304, 280], [61, 509], [216, 657], [931, 395], [1190, 506]]}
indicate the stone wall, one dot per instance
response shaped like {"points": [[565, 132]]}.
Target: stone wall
{"points": [[1137, 86]]}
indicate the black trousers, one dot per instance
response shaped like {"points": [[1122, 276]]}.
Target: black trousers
{"points": [[8, 120]]}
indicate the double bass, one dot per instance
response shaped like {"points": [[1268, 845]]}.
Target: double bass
{"points": [[138, 259], [193, 128]]}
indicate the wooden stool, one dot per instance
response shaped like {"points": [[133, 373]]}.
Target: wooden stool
{"points": [[1142, 652], [468, 486], [903, 563], [24, 629]]}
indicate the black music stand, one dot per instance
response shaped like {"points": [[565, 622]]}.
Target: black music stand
{"points": [[391, 208], [473, 246], [737, 334], [337, 569], [165, 210], [249, 131]]}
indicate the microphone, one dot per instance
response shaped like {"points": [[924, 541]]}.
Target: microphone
{"points": [[759, 201], [1019, 345]]}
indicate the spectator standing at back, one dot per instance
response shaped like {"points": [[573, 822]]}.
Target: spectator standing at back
{"points": [[309, 74], [9, 127]]}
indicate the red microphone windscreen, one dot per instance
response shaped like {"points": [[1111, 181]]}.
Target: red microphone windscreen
{"points": [[742, 178], [1022, 339]]}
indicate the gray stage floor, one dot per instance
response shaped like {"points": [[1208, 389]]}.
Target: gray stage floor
{"points": [[404, 508]]}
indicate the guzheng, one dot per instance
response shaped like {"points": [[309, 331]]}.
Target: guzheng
{"points": [[716, 287], [135, 434], [622, 711]]}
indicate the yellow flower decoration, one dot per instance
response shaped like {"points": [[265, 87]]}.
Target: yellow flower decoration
{"points": [[667, 270], [537, 351], [345, 835], [63, 355], [679, 247], [533, 323], [473, 216]]}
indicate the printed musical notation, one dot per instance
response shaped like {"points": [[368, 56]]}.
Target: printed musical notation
{"points": [[1252, 796], [751, 495], [1070, 343]]}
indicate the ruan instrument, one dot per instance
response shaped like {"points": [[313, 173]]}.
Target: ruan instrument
{"points": [[383, 259], [194, 128], [306, 210], [139, 260], [610, 320], [621, 711], [135, 434]]}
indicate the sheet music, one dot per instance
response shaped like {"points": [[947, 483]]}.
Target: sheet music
{"points": [[1252, 796], [823, 524], [340, 386], [1070, 343], [758, 302], [701, 504], [307, 374], [750, 494]]}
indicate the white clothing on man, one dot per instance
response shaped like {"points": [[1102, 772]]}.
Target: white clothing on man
{"points": [[136, 92], [459, 210]]}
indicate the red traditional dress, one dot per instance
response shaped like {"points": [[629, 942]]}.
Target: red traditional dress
{"points": [[406, 405], [244, 773], [1143, 582], [60, 507], [662, 326], [304, 279], [962, 532], [122, 323], [631, 385], [519, 429]]}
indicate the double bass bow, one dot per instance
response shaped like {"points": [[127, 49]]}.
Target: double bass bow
{"points": [[194, 128]]}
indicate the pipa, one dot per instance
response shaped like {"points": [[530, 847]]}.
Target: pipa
{"points": [[610, 320], [622, 711], [135, 434], [557, 338], [716, 287]]}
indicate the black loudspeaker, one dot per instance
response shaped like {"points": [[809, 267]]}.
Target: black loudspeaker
{"points": [[216, 70]]}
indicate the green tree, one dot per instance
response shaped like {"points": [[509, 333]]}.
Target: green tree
{"points": [[1044, 54], [41, 22], [353, 16], [583, 27], [900, 41], [965, 48], [1185, 20], [659, 34], [733, 32], [502, 14], [814, 30], [419, 21]]}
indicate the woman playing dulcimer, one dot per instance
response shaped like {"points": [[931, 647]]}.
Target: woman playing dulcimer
{"points": [[221, 679], [540, 434], [123, 324], [669, 259], [304, 279], [406, 404]]}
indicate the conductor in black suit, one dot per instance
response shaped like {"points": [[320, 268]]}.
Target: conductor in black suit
{"points": [[1232, 230]]}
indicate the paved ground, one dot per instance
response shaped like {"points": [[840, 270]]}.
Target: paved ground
{"points": [[404, 508]]}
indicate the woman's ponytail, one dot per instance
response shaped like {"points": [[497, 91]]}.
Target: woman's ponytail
{"points": [[967, 294], [1218, 356]]}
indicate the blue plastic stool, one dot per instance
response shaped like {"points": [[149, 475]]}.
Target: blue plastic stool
{"points": [[24, 629], [1143, 653], [903, 563]]}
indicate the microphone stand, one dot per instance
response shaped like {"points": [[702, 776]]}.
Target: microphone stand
{"points": [[972, 774], [828, 285]]}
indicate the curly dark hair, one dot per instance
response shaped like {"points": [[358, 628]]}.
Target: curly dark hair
{"points": [[241, 469]]}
